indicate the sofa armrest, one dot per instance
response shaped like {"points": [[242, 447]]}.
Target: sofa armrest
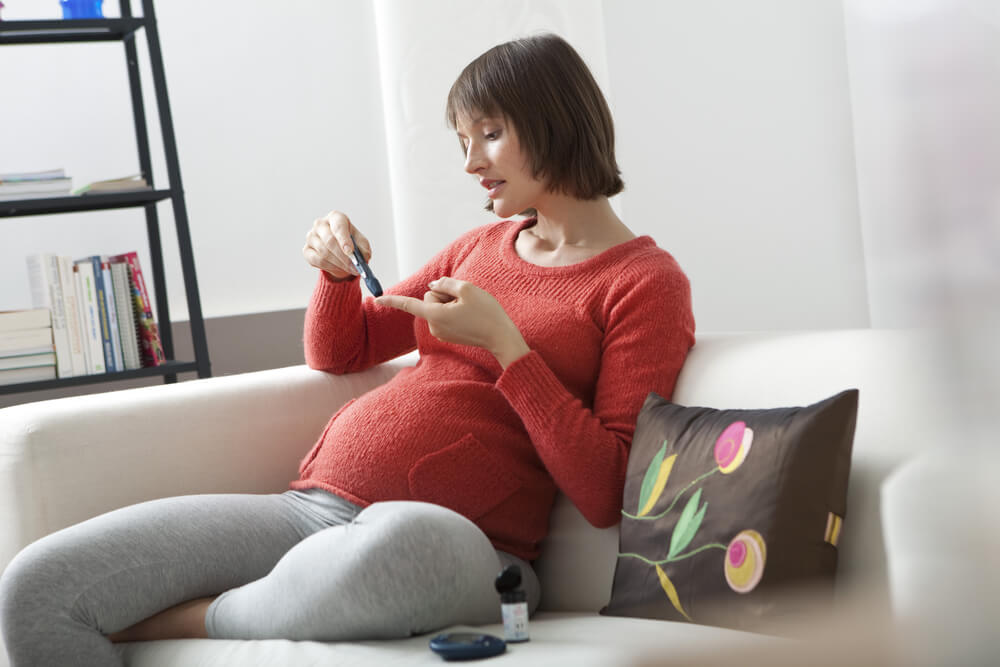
{"points": [[940, 516], [67, 460]]}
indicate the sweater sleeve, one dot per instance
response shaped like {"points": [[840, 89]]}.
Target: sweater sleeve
{"points": [[344, 333], [649, 330]]}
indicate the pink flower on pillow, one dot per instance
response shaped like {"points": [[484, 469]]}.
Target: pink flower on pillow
{"points": [[745, 559], [732, 446]]}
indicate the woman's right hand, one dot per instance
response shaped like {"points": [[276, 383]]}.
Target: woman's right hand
{"points": [[329, 248]]}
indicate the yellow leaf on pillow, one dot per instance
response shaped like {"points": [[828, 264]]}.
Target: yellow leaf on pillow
{"points": [[661, 482], [668, 588]]}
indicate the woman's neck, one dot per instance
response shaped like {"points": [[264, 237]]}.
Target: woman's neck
{"points": [[579, 223], [571, 232]]}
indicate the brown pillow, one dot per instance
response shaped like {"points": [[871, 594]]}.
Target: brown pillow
{"points": [[727, 511]]}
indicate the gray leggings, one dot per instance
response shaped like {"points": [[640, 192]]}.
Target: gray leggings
{"points": [[297, 565]]}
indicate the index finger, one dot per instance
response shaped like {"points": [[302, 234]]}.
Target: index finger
{"points": [[447, 285], [341, 228], [405, 303]]}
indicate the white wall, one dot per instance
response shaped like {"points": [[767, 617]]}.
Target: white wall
{"points": [[733, 122], [734, 125]]}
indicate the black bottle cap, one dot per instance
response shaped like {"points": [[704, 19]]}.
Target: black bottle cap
{"points": [[508, 580], [507, 584]]}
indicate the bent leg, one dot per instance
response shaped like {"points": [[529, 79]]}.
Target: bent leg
{"points": [[400, 568], [62, 594]]}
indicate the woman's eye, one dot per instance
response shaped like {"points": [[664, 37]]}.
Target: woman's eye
{"points": [[490, 136]]}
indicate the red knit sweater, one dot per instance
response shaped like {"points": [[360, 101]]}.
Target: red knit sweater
{"points": [[492, 444]]}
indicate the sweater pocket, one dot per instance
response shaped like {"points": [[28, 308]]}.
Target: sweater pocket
{"points": [[319, 443], [465, 476]]}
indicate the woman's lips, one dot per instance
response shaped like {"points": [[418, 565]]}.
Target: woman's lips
{"points": [[493, 187]]}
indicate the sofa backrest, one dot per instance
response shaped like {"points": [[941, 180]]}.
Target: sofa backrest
{"points": [[767, 370]]}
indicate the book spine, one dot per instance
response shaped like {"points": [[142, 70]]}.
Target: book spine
{"points": [[60, 326], [125, 307], [46, 292], [81, 309], [46, 175], [33, 374], [152, 348], [92, 318], [102, 313], [28, 360], [33, 186], [17, 320], [26, 341], [71, 305], [113, 325]]}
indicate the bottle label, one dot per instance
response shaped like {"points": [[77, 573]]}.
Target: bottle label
{"points": [[515, 621]]}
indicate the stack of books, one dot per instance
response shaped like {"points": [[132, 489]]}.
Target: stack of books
{"points": [[102, 316], [35, 185], [26, 348], [123, 184]]}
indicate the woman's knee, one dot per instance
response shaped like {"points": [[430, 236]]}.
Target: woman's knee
{"points": [[14, 588], [41, 618], [427, 541], [443, 565], [425, 525], [31, 586]]}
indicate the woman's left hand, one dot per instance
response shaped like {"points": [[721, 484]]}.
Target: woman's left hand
{"points": [[459, 312]]}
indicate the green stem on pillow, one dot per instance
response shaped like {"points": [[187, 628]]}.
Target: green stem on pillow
{"points": [[643, 559], [714, 545], [676, 498]]}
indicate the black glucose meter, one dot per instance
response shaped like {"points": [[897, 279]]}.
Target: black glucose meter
{"points": [[467, 645]]}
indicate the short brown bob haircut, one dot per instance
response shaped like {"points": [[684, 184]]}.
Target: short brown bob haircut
{"points": [[543, 88]]}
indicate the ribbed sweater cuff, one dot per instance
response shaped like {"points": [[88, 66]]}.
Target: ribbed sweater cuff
{"points": [[531, 388], [331, 295]]}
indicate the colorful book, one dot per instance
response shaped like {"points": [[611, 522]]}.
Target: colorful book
{"points": [[103, 316], [109, 303], [126, 310], [152, 348], [47, 292], [91, 319]]}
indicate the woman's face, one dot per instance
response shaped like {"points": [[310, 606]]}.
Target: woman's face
{"points": [[493, 155]]}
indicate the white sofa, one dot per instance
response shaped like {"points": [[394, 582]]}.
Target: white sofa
{"points": [[65, 460]]}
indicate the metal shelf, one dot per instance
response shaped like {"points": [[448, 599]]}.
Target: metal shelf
{"points": [[77, 203], [123, 30], [73, 30]]}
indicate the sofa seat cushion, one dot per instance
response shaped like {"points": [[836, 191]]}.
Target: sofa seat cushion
{"points": [[557, 638]]}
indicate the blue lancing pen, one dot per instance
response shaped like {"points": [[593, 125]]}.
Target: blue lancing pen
{"points": [[366, 273]]}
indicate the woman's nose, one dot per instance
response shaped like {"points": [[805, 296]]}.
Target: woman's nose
{"points": [[474, 159]]}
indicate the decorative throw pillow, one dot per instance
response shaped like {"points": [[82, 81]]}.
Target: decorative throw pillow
{"points": [[726, 512]]}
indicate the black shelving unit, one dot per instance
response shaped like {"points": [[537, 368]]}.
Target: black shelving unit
{"points": [[124, 30]]}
